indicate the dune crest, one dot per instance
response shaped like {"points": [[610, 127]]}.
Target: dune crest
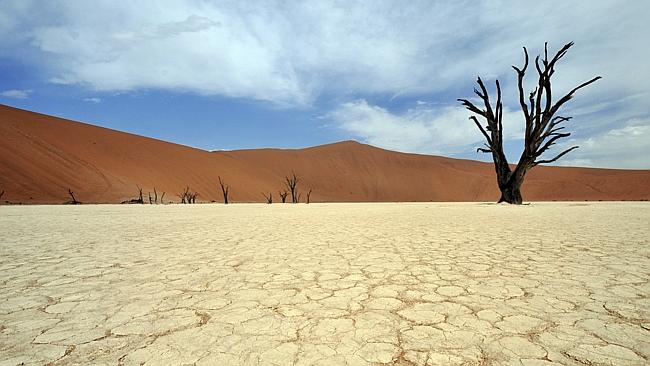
{"points": [[42, 156]]}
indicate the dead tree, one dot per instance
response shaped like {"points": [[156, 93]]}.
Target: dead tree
{"points": [[283, 195], [308, 195], [269, 198], [224, 190], [161, 198], [150, 200], [542, 124], [291, 183], [185, 195], [155, 195], [2, 193], [140, 200], [72, 202]]}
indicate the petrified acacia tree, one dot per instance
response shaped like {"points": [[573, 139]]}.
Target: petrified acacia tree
{"points": [[542, 123], [291, 183], [224, 190], [187, 196], [283, 196], [73, 202]]}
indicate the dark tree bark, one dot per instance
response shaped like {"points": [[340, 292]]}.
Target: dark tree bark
{"points": [[224, 191], [269, 198], [291, 183], [542, 124], [283, 196], [308, 195]]}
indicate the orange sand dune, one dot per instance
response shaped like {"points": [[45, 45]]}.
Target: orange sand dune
{"points": [[42, 156]]}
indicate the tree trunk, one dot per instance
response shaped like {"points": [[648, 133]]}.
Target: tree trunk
{"points": [[511, 193], [511, 186]]}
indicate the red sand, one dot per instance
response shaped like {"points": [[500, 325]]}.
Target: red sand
{"points": [[42, 156]]}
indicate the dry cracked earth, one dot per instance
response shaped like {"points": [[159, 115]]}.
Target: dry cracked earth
{"points": [[326, 284]]}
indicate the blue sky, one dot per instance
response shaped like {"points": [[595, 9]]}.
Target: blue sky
{"points": [[230, 75]]}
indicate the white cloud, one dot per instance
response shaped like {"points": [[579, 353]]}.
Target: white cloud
{"points": [[291, 54], [423, 128], [16, 93], [93, 100], [623, 147]]}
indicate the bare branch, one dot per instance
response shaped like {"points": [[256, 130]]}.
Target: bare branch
{"points": [[555, 158], [568, 97]]}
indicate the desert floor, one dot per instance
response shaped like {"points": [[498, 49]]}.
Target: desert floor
{"points": [[326, 284]]}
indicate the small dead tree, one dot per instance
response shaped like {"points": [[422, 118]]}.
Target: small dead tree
{"points": [[150, 200], [308, 195], [185, 195], [162, 197], [72, 202], [2, 193], [283, 195], [542, 123], [224, 190], [155, 195], [140, 200], [269, 198], [291, 183]]}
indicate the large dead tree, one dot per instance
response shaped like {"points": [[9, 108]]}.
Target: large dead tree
{"points": [[291, 183], [542, 123], [224, 191]]}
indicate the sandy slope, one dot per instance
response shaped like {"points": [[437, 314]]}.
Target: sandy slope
{"points": [[326, 284], [42, 156]]}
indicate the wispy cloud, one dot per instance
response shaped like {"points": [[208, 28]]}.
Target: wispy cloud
{"points": [[292, 54], [93, 100], [16, 93]]}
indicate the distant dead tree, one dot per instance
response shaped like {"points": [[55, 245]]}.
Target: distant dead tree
{"points": [[150, 200], [269, 198], [140, 200], [2, 193], [162, 197], [224, 190], [185, 195], [71, 202], [308, 195], [542, 123], [155, 195], [291, 183], [283, 195]]}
